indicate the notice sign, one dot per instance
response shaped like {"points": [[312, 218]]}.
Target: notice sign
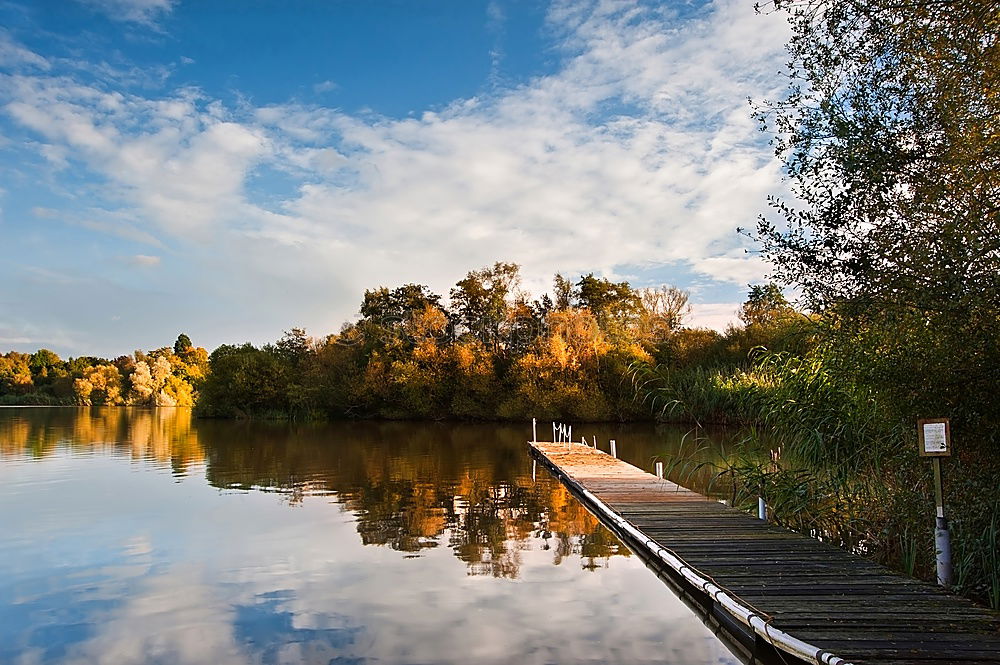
{"points": [[934, 437]]}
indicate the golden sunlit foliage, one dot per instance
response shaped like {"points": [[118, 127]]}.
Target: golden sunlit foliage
{"points": [[164, 377], [491, 353]]}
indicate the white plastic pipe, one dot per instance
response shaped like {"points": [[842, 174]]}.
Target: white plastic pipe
{"points": [[744, 614]]}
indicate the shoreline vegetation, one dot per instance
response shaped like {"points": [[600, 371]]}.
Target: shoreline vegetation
{"points": [[833, 457]]}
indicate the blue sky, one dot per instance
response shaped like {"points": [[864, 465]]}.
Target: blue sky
{"points": [[233, 169]]}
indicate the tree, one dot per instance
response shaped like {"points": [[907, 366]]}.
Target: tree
{"points": [[563, 289], [481, 302], [245, 381], [390, 308], [182, 344], [664, 310], [615, 304], [15, 374], [100, 385], [142, 382], [294, 345], [890, 135], [764, 304], [42, 361]]}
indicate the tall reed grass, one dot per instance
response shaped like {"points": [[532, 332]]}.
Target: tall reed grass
{"points": [[833, 463]]}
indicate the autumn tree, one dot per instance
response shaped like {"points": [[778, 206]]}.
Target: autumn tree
{"points": [[15, 374], [100, 385]]}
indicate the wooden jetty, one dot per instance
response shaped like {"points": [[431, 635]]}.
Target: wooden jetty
{"points": [[776, 595]]}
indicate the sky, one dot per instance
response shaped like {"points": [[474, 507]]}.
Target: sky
{"points": [[231, 169]]}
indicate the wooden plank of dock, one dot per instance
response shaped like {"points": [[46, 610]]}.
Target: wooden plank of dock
{"points": [[785, 591]]}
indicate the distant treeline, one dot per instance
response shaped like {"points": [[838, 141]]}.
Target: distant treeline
{"points": [[492, 352], [169, 376]]}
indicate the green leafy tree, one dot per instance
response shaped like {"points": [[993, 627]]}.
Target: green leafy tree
{"points": [[386, 307], [889, 133], [246, 381], [615, 304], [483, 302], [182, 344]]}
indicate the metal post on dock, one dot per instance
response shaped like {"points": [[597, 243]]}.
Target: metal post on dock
{"points": [[614, 449], [761, 509], [534, 466], [942, 538], [595, 442], [569, 436], [659, 470], [553, 431], [534, 430]]}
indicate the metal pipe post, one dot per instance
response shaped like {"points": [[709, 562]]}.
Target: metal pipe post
{"points": [[614, 449], [659, 470], [942, 538], [761, 508], [534, 430]]}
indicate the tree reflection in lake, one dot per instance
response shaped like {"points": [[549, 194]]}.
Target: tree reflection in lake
{"points": [[413, 486], [136, 536]]}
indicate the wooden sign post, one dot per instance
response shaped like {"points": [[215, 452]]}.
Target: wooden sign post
{"points": [[934, 439]]}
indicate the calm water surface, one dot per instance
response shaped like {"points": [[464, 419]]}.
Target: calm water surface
{"points": [[139, 536]]}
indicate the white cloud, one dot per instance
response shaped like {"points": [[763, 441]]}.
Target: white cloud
{"points": [[14, 55], [715, 315], [145, 260], [638, 151], [324, 86], [145, 12], [44, 213]]}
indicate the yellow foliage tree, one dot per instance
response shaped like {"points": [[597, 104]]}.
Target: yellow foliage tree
{"points": [[99, 385]]}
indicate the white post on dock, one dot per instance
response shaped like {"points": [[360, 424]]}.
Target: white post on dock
{"points": [[534, 430], [569, 436], [595, 442], [761, 509], [659, 470], [614, 449], [553, 431], [534, 465]]}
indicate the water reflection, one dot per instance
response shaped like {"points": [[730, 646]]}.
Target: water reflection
{"points": [[217, 542], [167, 436], [410, 486]]}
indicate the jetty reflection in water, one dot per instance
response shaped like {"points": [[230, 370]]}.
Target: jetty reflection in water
{"points": [[117, 549]]}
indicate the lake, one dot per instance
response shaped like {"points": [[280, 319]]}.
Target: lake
{"points": [[147, 536]]}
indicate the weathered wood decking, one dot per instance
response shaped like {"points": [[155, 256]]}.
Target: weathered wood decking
{"points": [[779, 594]]}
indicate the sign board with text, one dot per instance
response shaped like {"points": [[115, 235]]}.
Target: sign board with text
{"points": [[934, 437]]}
